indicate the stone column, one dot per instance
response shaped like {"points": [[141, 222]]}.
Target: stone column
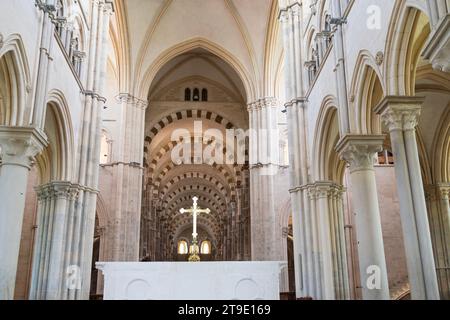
{"points": [[128, 171], [55, 211], [264, 159], [19, 146], [437, 197], [330, 258], [44, 63], [400, 114], [88, 158], [359, 151], [341, 73], [444, 192], [325, 241], [296, 106]]}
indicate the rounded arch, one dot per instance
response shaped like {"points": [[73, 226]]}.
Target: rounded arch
{"points": [[366, 91], [15, 82], [184, 47]]}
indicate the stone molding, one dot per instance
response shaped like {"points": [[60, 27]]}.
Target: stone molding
{"points": [[132, 100], [20, 145], [262, 104], [439, 191], [359, 150], [62, 190], [324, 189], [400, 113]]}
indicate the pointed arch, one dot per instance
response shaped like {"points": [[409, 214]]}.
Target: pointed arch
{"points": [[62, 136], [15, 82], [328, 167], [408, 32], [441, 149], [187, 46], [366, 90]]}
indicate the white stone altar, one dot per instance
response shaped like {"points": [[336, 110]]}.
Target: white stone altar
{"points": [[191, 281]]}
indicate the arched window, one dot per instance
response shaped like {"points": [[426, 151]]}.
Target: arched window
{"points": [[205, 247], [182, 247], [187, 94], [196, 95], [205, 95]]}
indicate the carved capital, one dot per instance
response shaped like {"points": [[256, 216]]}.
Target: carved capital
{"points": [[61, 189], [400, 113], [360, 150], [263, 103], [132, 100], [20, 145], [444, 191]]}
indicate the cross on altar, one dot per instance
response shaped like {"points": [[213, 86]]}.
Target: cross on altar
{"points": [[195, 210]]}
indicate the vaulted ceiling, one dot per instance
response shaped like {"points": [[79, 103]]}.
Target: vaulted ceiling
{"points": [[245, 33]]}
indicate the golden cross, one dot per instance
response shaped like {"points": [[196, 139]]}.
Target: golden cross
{"points": [[195, 210]]}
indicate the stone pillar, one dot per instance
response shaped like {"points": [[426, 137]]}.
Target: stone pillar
{"points": [[88, 158], [325, 245], [128, 171], [54, 236], [292, 28], [330, 259], [444, 192], [437, 198], [341, 73], [400, 114], [359, 151], [18, 146], [44, 63], [264, 159]]}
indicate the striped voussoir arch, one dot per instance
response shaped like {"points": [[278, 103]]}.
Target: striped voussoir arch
{"points": [[180, 195], [187, 199], [233, 179], [194, 175], [180, 222], [186, 114], [155, 159], [192, 189]]}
